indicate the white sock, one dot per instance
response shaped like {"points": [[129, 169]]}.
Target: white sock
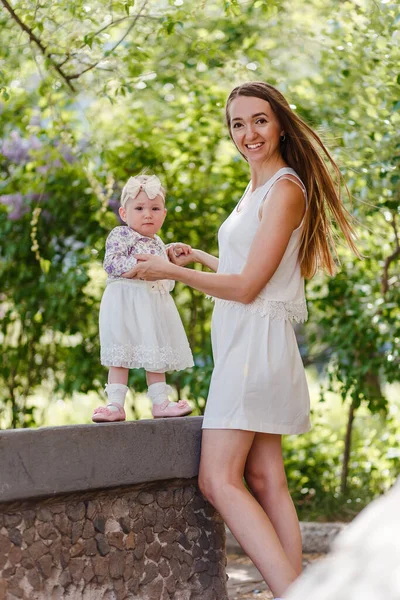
{"points": [[158, 392], [116, 393]]}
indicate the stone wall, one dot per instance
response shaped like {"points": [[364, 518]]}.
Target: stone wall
{"points": [[155, 540], [150, 542]]}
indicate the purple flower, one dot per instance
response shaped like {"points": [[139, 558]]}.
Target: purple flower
{"points": [[15, 148], [20, 204], [17, 204], [67, 154], [35, 120], [35, 143]]}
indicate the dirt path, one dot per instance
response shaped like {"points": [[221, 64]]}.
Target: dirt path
{"points": [[245, 582]]}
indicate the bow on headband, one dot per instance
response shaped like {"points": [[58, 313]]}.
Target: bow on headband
{"points": [[152, 187]]}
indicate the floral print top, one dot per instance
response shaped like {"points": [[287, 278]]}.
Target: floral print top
{"points": [[121, 246]]}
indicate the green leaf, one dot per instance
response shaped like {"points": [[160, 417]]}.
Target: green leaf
{"points": [[88, 40], [45, 265]]}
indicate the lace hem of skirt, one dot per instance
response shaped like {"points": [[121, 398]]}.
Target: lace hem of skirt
{"points": [[138, 357], [275, 309]]}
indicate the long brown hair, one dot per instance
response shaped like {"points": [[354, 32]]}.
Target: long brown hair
{"points": [[303, 151]]}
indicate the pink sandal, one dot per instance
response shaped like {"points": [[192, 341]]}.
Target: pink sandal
{"points": [[171, 409], [104, 415]]}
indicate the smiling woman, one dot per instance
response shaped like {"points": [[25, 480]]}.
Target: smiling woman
{"points": [[255, 129], [278, 233]]}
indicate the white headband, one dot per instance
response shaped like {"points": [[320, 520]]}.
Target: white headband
{"points": [[152, 187]]}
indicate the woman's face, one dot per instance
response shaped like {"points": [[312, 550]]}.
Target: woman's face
{"points": [[255, 128]]}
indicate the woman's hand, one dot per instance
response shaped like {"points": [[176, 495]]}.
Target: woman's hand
{"points": [[181, 254], [177, 248], [150, 268]]}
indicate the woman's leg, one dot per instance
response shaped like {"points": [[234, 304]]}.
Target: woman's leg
{"points": [[223, 457], [265, 475]]}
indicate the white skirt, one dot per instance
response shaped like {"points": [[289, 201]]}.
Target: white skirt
{"points": [[140, 327], [258, 383]]}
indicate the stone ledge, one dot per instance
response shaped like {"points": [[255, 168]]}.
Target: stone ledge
{"points": [[58, 460], [317, 538], [153, 541]]}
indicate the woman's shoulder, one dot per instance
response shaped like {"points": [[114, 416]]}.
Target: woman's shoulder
{"points": [[289, 192], [289, 174], [287, 198], [287, 181]]}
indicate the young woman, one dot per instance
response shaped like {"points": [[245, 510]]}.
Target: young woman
{"points": [[279, 233]]}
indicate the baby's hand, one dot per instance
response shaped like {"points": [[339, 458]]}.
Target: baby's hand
{"points": [[179, 249]]}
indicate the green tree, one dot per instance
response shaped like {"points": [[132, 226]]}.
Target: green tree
{"points": [[126, 86]]}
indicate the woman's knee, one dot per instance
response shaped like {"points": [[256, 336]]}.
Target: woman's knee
{"points": [[216, 487], [265, 483], [208, 485]]}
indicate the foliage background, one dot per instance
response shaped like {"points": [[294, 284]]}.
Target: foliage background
{"points": [[93, 92]]}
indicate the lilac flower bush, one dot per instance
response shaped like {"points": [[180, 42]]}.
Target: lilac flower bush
{"points": [[16, 149], [44, 266]]}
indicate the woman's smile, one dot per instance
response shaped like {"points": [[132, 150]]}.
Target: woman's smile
{"points": [[254, 146]]}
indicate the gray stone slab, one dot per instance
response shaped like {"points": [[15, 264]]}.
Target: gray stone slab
{"points": [[317, 538], [55, 460]]}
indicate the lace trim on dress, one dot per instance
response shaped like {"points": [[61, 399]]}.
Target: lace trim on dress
{"points": [[275, 309], [138, 357]]}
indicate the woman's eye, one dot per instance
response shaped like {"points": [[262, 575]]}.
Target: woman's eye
{"points": [[261, 121], [237, 125]]}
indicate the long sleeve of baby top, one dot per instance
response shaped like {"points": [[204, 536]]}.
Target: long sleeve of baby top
{"points": [[121, 246]]}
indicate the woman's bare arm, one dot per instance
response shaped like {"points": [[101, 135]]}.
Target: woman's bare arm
{"points": [[281, 214], [193, 256], [206, 259]]}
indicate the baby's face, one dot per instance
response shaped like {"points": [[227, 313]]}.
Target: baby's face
{"points": [[144, 215]]}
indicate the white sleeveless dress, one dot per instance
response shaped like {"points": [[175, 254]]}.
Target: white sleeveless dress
{"points": [[258, 383]]}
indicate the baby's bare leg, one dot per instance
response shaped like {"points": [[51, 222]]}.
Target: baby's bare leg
{"points": [[118, 375], [154, 378]]}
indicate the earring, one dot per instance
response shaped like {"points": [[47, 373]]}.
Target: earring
{"points": [[283, 138]]}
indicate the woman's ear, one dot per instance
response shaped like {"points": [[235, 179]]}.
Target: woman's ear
{"points": [[122, 213]]}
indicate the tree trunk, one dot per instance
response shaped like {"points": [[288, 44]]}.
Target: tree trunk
{"points": [[347, 447]]}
